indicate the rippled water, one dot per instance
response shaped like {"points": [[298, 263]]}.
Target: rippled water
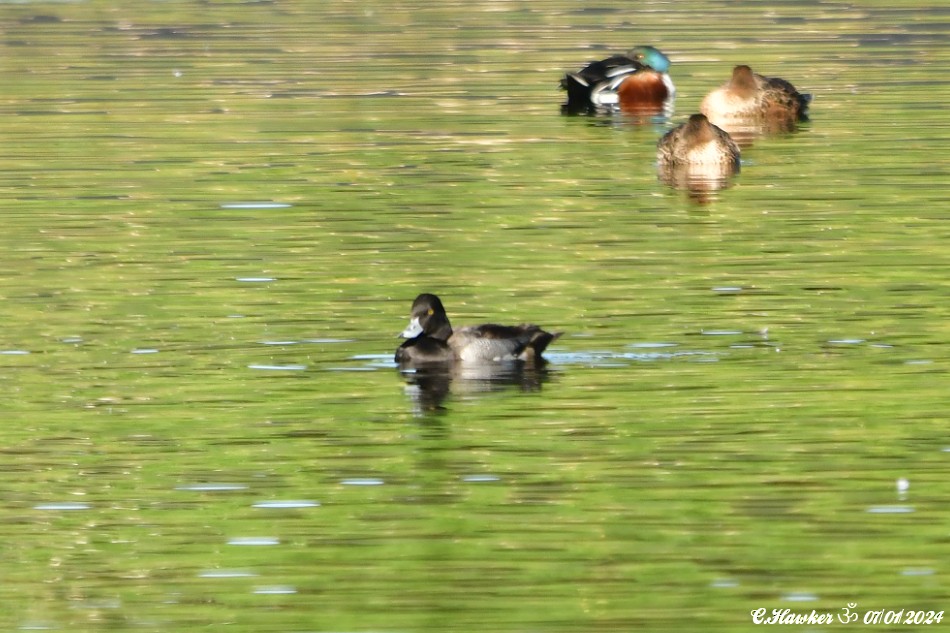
{"points": [[217, 216]]}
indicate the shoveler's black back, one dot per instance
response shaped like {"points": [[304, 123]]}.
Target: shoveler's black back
{"points": [[596, 72], [579, 85]]}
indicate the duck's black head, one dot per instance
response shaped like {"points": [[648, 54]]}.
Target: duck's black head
{"points": [[428, 318]]}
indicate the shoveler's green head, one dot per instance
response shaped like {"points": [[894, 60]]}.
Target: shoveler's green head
{"points": [[649, 56]]}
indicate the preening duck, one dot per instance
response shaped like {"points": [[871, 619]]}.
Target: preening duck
{"points": [[636, 82], [697, 142], [750, 97]]}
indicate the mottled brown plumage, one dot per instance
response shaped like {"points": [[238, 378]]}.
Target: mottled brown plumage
{"points": [[697, 142], [750, 97]]}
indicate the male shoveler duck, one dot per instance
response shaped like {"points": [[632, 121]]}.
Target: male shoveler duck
{"points": [[750, 97], [636, 83], [432, 339], [697, 142]]}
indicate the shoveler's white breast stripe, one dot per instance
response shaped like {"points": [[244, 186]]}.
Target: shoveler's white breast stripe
{"points": [[670, 88]]}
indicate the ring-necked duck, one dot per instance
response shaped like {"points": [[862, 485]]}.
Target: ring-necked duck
{"points": [[637, 83], [432, 339]]}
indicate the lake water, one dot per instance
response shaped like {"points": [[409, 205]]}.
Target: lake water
{"points": [[216, 216]]}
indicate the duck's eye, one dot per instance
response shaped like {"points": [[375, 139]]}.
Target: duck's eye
{"points": [[430, 312]]}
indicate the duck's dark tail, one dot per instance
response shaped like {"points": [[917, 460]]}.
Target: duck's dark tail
{"points": [[791, 96], [538, 342], [578, 94]]}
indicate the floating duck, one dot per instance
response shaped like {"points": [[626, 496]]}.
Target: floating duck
{"points": [[432, 339], [770, 104], [636, 83], [697, 142], [697, 157]]}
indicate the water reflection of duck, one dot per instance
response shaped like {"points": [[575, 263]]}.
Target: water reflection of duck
{"points": [[432, 339], [748, 99], [429, 384], [636, 83]]}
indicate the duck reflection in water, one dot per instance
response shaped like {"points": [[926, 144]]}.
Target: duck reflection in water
{"points": [[477, 358], [697, 157], [430, 384]]}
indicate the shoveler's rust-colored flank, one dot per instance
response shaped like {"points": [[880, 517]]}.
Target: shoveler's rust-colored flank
{"points": [[643, 92]]}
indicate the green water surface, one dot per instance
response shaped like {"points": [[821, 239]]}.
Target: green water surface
{"points": [[217, 214]]}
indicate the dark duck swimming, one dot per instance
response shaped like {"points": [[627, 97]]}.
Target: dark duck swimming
{"points": [[432, 339]]}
